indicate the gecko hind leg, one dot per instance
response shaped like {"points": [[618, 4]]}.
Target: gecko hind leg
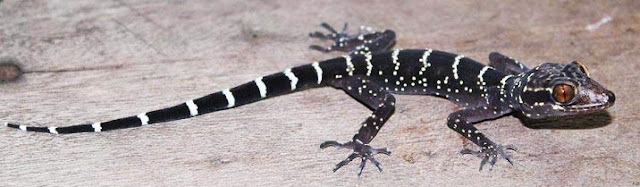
{"points": [[364, 41], [382, 103]]}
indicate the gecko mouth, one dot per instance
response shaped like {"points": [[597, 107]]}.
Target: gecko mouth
{"points": [[586, 108]]}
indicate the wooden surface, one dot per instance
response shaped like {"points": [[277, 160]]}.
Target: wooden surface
{"points": [[99, 60]]}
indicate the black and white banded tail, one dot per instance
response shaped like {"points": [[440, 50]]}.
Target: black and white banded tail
{"points": [[287, 81]]}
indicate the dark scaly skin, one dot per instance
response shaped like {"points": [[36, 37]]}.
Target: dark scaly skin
{"points": [[507, 86], [372, 73]]}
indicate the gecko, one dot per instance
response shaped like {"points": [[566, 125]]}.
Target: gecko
{"points": [[372, 72]]}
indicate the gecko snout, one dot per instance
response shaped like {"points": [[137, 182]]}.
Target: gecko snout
{"points": [[612, 98]]}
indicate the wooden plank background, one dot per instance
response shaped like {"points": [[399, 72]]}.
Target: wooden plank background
{"points": [[99, 60]]}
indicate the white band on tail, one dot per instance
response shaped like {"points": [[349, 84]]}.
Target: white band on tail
{"points": [[230, 99], [193, 108], [261, 87], [144, 119], [53, 130], [292, 78], [97, 127]]}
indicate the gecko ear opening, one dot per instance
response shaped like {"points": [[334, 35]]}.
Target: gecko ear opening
{"points": [[583, 68]]}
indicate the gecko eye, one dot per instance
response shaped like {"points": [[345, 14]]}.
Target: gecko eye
{"points": [[563, 93]]}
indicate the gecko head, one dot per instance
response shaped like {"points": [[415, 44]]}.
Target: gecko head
{"points": [[553, 89]]}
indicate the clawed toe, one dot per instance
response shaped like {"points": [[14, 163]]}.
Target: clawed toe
{"points": [[342, 40], [511, 147], [333, 34], [471, 152], [331, 29], [336, 144], [320, 48], [491, 152], [366, 40], [362, 151], [344, 162], [383, 151], [376, 163]]}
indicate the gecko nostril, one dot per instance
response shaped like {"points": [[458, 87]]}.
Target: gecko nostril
{"points": [[612, 97]]}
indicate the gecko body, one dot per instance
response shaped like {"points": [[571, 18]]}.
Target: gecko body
{"points": [[372, 73]]}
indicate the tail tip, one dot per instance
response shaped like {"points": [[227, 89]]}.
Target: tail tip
{"points": [[21, 127]]}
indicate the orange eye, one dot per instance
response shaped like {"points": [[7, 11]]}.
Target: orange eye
{"points": [[563, 93]]}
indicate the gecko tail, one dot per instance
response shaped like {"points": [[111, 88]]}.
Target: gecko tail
{"points": [[33, 129], [210, 103], [287, 81], [96, 127]]}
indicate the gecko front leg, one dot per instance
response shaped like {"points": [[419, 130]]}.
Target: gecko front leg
{"points": [[383, 105], [462, 122]]}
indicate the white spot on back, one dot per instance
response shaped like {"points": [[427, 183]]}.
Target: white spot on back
{"points": [[484, 70], [424, 58], [369, 64], [350, 67], [456, 61], [394, 57], [503, 81]]}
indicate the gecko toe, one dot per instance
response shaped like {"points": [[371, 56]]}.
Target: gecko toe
{"points": [[362, 151], [361, 167], [325, 25], [382, 151], [508, 158], [320, 48], [376, 163], [326, 144], [342, 41], [490, 154], [344, 162], [471, 152], [511, 147], [493, 162], [483, 162]]}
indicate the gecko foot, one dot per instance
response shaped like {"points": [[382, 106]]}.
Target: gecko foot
{"points": [[341, 39], [365, 41], [362, 151], [333, 34], [491, 152]]}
